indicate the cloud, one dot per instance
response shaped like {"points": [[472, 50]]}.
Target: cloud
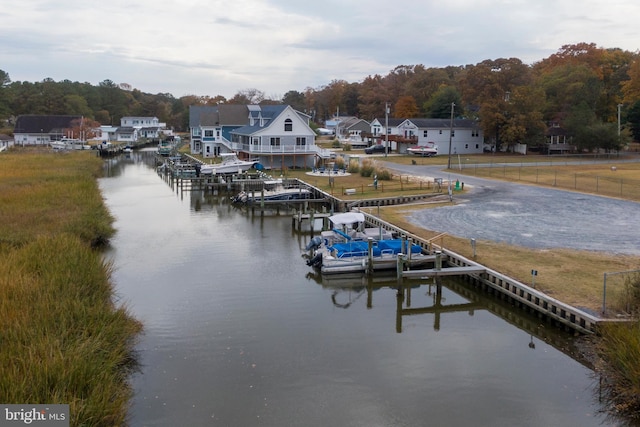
{"points": [[220, 47]]}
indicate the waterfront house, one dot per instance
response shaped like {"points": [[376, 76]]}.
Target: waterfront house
{"points": [[275, 135], [133, 128]]}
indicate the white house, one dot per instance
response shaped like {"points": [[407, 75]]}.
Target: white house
{"points": [[43, 129], [466, 135], [5, 142], [276, 135], [133, 128]]}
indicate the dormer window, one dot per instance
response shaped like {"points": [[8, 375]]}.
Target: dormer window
{"points": [[288, 125]]}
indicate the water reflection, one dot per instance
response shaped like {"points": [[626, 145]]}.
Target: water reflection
{"points": [[239, 330], [440, 297]]}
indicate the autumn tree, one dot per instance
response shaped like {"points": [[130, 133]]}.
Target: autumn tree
{"points": [[631, 87], [426, 81], [373, 97], [406, 107], [247, 97], [83, 129]]}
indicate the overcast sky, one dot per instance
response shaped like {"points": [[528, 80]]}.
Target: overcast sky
{"points": [[216, 47]]}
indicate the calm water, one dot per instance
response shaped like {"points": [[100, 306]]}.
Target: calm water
{"points": [[239, 333]]}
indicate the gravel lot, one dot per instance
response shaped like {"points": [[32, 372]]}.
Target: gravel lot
{"points": [[531, 216]]}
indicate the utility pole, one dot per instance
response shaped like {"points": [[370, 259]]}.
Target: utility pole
{"points": [[619, 107], [386, 128], [450, 135]]}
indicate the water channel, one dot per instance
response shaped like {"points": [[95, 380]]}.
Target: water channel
{"points": [[239, 332]]}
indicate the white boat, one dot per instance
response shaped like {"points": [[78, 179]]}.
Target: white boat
{"points": [[69, 144], [345, 248], [351, 226], [424, 150], [357, 256], [230, 164], [274, 190]]}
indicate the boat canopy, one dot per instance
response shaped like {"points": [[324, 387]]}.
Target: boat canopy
{"points": [[347, 218]]}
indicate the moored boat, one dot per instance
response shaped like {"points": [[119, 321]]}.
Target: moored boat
{"points": [[69, 144], [360, 256], [230, 164], [274, 190]]}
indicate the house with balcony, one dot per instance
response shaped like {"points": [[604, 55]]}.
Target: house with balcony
{"points": [[275, 135], [133, 128], [466, 135]]}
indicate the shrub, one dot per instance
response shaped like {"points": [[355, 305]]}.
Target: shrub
{"points": [[383, 174], [346, 147], [354, 166], [367, 169]]}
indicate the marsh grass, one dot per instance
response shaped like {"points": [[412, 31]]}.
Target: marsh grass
{"points": [[619, 348], [44, 193], [62, 338]]}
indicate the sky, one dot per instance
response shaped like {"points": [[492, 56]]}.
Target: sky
{"points": [[216, 47]]}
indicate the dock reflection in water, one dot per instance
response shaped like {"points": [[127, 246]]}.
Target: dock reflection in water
{"points": [[238, 331]]}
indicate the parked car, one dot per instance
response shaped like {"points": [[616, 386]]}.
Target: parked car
{"points": [[376, 149]]}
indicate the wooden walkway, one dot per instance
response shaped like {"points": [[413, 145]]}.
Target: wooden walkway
{"points": [[446, 271]]}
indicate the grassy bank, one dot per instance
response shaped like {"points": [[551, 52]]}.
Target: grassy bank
{"points": [[62, 338]]}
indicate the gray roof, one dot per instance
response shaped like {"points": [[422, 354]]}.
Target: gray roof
{"points": [[444, 123], [392, 121], [267, 112], [43, 124]]}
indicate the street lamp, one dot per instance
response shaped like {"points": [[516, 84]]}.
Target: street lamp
{"points": [[450, 135]]}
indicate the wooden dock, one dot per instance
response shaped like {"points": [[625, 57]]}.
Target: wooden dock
{"points": [[301, 217], [446, 271]]}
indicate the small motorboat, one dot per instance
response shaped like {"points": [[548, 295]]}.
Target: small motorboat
{"points": [[230, 164], [423, 150]]}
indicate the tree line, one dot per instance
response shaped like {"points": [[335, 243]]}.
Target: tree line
{"points": [[593, 93]]}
